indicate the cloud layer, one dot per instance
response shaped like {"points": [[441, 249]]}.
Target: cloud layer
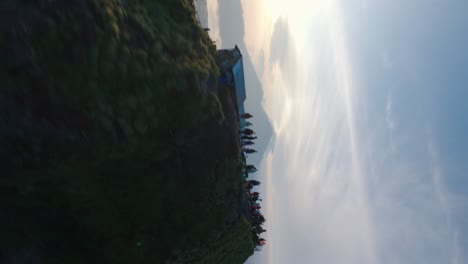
{"points": [[283, 51], [369, 157], [357, 172]]}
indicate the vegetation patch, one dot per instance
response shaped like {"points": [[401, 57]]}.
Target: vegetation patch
{"points": [[113, 148]]}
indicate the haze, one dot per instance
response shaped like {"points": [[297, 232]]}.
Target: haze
{"points": [[368, 105]]}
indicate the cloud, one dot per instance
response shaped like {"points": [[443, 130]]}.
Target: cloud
{"points": [[410, 222], [260, 63], [336, 202], [364, 4], [387, 63], [456, 254], [342, 195], [282, 51], [436, 176], [280, 41], [444, 202], [391, 123], [321, 200]]}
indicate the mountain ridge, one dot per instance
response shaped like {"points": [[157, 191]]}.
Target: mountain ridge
{"points": [[231, 28]]}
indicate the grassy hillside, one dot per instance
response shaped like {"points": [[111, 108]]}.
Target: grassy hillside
{"points": [[115, 143]]}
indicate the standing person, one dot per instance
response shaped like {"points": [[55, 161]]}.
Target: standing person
{"points": [[254, 182], [248, 137], [247, 143], [246, 116], [259, 230], [249, 151], [261, 241], [247, 132], [251, 168]]}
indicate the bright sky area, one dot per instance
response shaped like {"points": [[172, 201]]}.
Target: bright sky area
{"points": [[368, 102]]}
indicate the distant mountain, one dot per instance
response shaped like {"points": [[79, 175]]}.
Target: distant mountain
{"points": [[231, 26]]}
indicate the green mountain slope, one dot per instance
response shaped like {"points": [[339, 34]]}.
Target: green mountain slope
{"points": [[116, 145]]}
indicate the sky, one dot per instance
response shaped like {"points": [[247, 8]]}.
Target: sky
{"points": [[370, 155]]}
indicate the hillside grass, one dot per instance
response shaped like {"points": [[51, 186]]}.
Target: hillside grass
{"points": [[113, 149]]}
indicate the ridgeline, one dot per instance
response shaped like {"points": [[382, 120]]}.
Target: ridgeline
{"points": [[116, 143]]}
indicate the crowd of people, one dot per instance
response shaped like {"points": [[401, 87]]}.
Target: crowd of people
{"points": [[256, 217]]}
